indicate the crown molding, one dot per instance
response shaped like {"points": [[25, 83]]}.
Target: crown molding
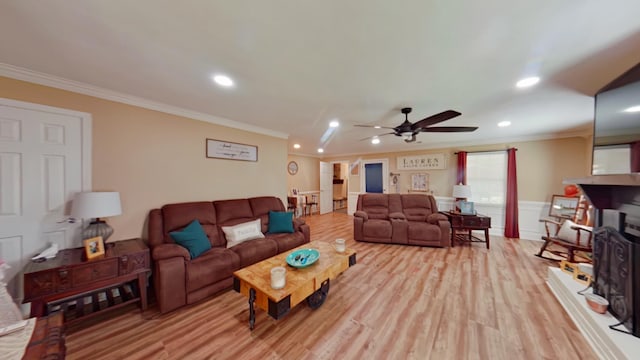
{"points": [[23, 74]]}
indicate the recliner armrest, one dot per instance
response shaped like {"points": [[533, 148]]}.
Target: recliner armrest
{"points": [[167, 251], [361, 214], [436, 217], [397, 216], [297, 223]]}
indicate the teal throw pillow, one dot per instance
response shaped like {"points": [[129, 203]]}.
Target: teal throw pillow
{"points": [[193, 238], [280, 222]]}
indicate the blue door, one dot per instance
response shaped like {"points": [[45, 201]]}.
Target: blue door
{"points": [[373, 178]]}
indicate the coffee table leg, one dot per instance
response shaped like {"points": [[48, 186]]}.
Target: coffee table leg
{"points": [[316, 299], [252, 312]]}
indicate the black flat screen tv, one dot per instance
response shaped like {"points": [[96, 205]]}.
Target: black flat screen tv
{"points": [[616, 133]]}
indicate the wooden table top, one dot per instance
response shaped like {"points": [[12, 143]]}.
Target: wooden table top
{"points": [[330, 264]]}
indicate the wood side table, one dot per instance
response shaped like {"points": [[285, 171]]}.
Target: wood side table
{"points": [[467, 223], [81, 288]]}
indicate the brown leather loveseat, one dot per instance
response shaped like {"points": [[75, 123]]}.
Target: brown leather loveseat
{"points": [[411, 219], [180, 280]]}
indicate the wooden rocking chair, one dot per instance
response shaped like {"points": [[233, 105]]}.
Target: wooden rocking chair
{"points": [[574, 233]]}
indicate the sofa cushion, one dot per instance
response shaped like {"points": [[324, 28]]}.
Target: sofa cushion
{"points": [[239, 233], [250, 252], [376, 205], [177, 216], [262, 205], [423, 230], [287, 241], [280, 222], [232, 212], [214, 265], [377, 229], [192, 238], [416, 207]]}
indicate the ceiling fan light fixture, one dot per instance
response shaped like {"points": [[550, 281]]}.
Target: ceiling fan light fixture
{"points": [[527, 82]]}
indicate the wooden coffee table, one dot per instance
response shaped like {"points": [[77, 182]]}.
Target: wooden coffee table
{"points": [[310, 283]]}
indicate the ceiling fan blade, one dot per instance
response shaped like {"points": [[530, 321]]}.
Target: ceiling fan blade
{"points": [[434, 119], [449, 129], [371, 137], [374, 126]]}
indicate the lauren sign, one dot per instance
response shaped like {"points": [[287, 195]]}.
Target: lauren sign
{"points": [[421, 162]]}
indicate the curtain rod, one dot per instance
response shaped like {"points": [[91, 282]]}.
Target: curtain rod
{"points": [[484, 151]]}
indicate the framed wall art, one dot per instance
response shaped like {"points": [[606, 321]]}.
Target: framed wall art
{"points": [[218, 149], [419, 182], [563, 206]]}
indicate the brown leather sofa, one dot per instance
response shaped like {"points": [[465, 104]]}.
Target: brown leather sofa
{"points": [[411, 219], [180, 280]]}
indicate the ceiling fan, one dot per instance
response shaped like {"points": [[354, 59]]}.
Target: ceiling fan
{"points": [[409, 130]]}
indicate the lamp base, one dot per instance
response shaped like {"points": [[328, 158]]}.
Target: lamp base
{"points": [[97, 228]]}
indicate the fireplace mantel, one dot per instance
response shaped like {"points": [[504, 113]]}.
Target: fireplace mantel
{"points": [[609, 191]]}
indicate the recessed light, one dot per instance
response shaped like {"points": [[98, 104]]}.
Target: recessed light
{"points": [[377, 127], [296, 146], [320, 150], [375, 140], [632, 109], [504, 123], [526, 82], [334, 124], [222, 80]]}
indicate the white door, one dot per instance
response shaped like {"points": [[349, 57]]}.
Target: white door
{"points": [[41, 168], [326, 187]]}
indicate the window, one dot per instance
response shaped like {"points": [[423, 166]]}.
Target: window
{"points": [[487, 177]]}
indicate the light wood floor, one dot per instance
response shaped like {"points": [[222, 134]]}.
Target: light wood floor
{"points": [[398, 302]]}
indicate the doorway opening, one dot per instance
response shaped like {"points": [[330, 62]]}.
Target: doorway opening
{"points": [[340, 180]]}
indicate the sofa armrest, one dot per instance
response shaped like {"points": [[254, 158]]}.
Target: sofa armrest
{"points": [[436, 217], [361, 214], [297, 223], [397, 216], [167, 251]]}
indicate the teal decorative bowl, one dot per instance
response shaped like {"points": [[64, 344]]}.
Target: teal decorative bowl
{"points": [[303, 258]]}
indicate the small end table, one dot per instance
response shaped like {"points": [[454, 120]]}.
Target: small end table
{"points": [[82, 288], [467, 223]]}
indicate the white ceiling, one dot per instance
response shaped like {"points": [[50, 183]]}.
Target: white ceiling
{"points": [[299, 64]]}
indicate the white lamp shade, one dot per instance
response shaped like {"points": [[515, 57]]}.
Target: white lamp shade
{"points": [[461, 191], [87, 205]]}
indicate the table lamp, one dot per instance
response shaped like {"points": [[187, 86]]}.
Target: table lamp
{"points": [[96, 205], [461, 192]]}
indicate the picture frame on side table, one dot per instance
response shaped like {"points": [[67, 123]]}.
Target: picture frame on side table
{"points": [[94, 247], [467, 207]]}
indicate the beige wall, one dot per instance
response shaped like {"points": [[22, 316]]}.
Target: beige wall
{"points": [[308, 176], [153, 158], [542, 166]]}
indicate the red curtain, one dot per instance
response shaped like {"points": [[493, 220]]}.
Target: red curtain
{"points": [[635, 156], [511, 228], [461, 175]]}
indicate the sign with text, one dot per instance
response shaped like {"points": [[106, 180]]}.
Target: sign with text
{"points": [[421, 162]]}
